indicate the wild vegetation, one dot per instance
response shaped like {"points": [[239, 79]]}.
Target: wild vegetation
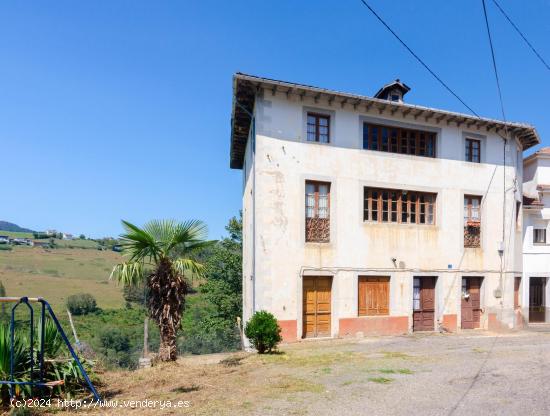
{"points": [[112, 334], [59, 367]]}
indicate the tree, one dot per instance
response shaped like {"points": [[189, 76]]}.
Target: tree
{"points": [[223, 271], [160, 256], [82, 237]]}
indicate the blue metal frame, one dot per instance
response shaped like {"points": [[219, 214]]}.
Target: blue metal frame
{"points": [[44, 306]]}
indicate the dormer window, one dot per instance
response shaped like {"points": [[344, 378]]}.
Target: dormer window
{"points": [[395, 96], [393, 91]]}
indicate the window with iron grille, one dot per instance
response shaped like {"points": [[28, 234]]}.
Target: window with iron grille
{"points": [[373, 296], [398, 140], [472, 221], [317, 212], [473, 150], [398, 206], [318, 128], [539, 236]]}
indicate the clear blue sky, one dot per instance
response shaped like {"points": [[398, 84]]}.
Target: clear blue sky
{"points": [[121, 109]]}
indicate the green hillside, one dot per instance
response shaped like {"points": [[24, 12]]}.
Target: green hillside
{"points": [[10, 226]]}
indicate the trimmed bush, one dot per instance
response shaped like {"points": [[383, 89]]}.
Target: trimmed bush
{"points": [[81, 304], [263, 331]]}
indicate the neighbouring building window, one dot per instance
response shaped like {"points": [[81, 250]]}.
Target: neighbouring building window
{"points": [[473, 150], [317, 212], [472, 221], [398, 140], [318, 128], [398, 206], [539, 235], [374, 296]]}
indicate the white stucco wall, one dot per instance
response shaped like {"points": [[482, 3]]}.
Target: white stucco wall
{"points": [[285, 160], [536, 257]]}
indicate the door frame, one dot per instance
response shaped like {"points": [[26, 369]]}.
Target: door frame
{"points": [[301, 323], [436, 299], [544, 298]]}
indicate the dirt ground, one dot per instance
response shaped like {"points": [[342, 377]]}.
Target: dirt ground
{"points": [[474, 373]]}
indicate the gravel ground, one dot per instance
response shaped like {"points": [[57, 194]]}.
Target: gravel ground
{"points": [[469, 374], [473, 373]]}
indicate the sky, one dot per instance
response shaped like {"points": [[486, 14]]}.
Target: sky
{"points": [[115, 109]]}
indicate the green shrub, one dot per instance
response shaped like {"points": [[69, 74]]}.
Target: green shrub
{"points": [[81, 304], [263, 331], [5, 248], [114, 339]]}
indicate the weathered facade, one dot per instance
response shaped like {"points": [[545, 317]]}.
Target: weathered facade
{"points": [[372, 216], [533, 292]]}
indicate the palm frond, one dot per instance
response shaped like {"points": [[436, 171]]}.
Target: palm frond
{"points": [[181, 266], [138, 243], [190, 233], [128, 274]]}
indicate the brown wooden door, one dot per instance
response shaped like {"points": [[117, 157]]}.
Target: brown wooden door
{"points": [[537, 310], [317, 293], [423, 303], [471, 303]]}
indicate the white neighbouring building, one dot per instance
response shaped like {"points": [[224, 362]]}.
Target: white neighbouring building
{"points": [[367, 215], [533, 289]]}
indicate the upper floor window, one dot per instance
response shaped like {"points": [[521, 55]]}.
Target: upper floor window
{"points": [[318, 128], [399, 206], [539, 236], [472, 221], [473, 150], [398, 140], [317, 212]]}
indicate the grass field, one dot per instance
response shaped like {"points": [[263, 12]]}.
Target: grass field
{"points": [[58, 273], [15, 234]]}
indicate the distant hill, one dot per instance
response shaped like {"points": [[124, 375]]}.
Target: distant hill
{"points": [[10, 226]]}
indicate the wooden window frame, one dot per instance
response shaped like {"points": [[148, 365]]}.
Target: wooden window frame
{"points": [[406, 202], [469, 206], [472, 227], [379, 310], [317, 125], [539, 243], [407, 141], [469, 150], [316, 205]]}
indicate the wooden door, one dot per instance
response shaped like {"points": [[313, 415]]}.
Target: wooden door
{"points": [[317, 293], [537, 310], [424, 303], [471, 303]]}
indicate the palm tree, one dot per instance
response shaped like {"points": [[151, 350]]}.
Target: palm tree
{"points": [[159, 256]]}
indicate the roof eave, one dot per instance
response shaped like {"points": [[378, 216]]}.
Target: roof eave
{"points": [[525, 133]]}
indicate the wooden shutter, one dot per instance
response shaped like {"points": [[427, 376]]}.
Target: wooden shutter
{"points": [[374, 296]]}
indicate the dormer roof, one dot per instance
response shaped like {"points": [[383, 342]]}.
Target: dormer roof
{"points": [[385, 93]]}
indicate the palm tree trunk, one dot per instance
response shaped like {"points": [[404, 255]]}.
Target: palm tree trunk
{"points": [[166, 299], [168, 348]]}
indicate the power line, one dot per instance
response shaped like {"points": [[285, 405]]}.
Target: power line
{"points": [[419, 60], [494, 60], [522, 35]]}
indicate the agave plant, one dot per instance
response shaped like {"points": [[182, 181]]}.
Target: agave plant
{"points": [[159, 254], [58, 366], [21, 358]]}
